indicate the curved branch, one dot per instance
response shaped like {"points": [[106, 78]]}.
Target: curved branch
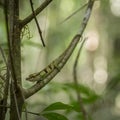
{"points": [[79, 98], [65, 55], [37, 11]]}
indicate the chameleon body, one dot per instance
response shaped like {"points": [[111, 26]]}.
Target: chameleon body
{"points": [[61, 61], [63, 58], [43, 73], [58, 63]]}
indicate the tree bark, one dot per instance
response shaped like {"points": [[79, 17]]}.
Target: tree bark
{"points": [[15, 60]]}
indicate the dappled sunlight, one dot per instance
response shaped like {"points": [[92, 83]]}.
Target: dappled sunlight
{"points": [[115, 7], [100, 76], [92, 42]]}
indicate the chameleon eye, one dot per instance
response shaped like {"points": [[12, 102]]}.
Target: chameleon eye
{"points": [[42, 73]]}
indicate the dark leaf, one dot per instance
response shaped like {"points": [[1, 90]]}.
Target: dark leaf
{"points": [[87, 94], [54, 116], [59, 106]]}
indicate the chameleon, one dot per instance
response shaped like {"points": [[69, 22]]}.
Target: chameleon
{"points": [[62, 59], [39, 76]]}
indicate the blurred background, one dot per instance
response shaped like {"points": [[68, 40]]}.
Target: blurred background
{"points": [[98, 68]]}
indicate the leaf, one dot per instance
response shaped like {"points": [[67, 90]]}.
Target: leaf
{"points": [[87, 94], [58, 106], [81, 88], [54, 116], [91, 99]]}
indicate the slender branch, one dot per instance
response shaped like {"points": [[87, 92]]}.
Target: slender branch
{"points": [[39, 30], [65, 55], [33, 113], [37, 11], [82, 109], [67, 18]]}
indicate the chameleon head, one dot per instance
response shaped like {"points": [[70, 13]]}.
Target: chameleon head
{"points": [[33, 79], [36, 76], [41, 75]]}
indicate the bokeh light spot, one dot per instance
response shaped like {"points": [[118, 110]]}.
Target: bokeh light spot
{"points": [[115, 7], [92, 41], [100, 76]]}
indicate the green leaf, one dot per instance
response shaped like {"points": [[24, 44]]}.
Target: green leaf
{"points": [[91, 98], [87, 94], [54, 116], [81, 88], [58, 106]]}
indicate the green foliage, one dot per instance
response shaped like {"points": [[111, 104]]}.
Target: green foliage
{"points": [[54, 116], [59, 106], [114, 82], [88, 95], [73, 107], [49, 113]]}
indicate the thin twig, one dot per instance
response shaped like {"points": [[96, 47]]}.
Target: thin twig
{"points": [[44, 35], [38, 26], [82, 109], [37, 11], [73, 13], [33, 113]]}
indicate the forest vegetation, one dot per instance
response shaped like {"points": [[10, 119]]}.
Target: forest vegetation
{"points": [[59, 59]]}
